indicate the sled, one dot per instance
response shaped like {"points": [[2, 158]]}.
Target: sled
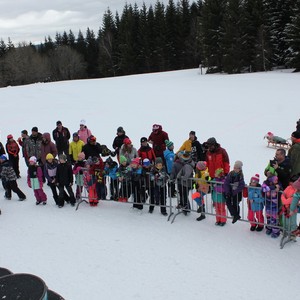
{"points": [[276, 141]]}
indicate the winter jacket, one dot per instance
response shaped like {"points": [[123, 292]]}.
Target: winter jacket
{"points": [[91, 150], [123, 172], [169, 158], [118, 142], [203, 180], [234, 183], [34, 146], [78, 170], [195, 148], [50, 170], [158, 141], [135, 175], [186, 173], [146, 152], [254, 194], [12, 148], [61, 139], [22, 142], [177, 166], [287, 199], [64, 174], [283, 171], [84, 133], [35, 177], [294, 155], [217, 159], [217, 193], [47, 147], [75, 148], [129, 153], [7, 172], [271, 194], [159, 177], [111, 170], [2, 150]]}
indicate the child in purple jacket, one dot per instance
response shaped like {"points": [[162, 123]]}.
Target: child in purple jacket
{"points": [[35, 181], [233, 190]]}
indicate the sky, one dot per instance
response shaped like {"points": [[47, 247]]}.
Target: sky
{"points": [[31, 20], [114, 252]]}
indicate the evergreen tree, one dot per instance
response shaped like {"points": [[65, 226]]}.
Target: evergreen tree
{"points": [[3, 48], [92, 54], [293, 38]]}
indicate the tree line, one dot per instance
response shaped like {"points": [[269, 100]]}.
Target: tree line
{"points": [[232, 36]]}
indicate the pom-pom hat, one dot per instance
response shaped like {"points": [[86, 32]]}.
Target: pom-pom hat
{"points": [[255, 178], [201, 165]]}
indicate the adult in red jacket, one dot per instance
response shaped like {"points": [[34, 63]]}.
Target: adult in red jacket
{"points": [[216, 157], [157, 139]]}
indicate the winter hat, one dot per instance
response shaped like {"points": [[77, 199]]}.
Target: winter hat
{"points": [[219, 172], [49, 156], [158, 160], [75, 134], [82, 122], [62, 157], [35, 129], [201, 165], [144, 139], [109, 161], [273, 179], [255, 178], [127, 141], [120, 130], [211, 141], [3, 157], [81, 156], [296, 184], [24, 131], [136, 160], [192, 132], [296, 134], [33, 159], [122, 159], [155, 127], [168, 143], [92, 138], [58, 123], [10, 136], [186, 155], [146, 162], [238, 164]]}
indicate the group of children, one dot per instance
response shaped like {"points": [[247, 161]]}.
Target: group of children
{"points": [[144, 178]]}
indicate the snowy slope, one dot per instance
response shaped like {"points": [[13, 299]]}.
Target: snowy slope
{"points": [[111, 251]]}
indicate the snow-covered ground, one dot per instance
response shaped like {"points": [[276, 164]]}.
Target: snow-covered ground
{"points": [[110, 251]]}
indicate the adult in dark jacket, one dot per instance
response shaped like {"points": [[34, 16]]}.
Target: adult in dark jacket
{"points": [[294, 153], [93, 149], [64, 180], [34, 144], [281, 167], [119, 140], [157, 139], [61, 136], [22, 142], [2, 149]]}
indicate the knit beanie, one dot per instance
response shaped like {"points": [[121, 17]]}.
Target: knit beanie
{"points": [[201, 165], [122, 159], [296, 134], [158, 160], [146, 162], [3, 157], [238, 164], [62, 157], [49, 156], [136, 161], [255, 178], [33, 159], [127, 141], [169, 143]]}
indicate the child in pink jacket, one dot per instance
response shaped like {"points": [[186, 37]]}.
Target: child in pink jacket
{"points": [[35, 181]]}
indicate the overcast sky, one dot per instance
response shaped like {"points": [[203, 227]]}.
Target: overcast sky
{"points": [[33, 20]]}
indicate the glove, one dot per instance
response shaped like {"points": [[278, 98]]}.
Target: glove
{"points": [[265, 188], [113, 153]]}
